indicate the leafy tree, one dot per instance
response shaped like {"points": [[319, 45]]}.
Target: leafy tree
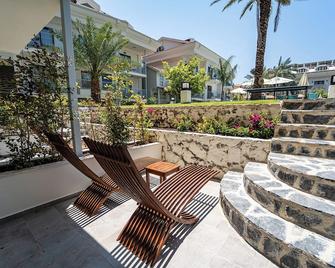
{"points": [[190, 72], [283, 69], [33, 105], [251, 75], [226, 74], [117, 130], [118, 73], [263, 12], [95, 50], [140, 120]]}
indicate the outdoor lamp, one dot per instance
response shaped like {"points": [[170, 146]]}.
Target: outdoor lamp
{"points": [[185, 93], [185, 85]]}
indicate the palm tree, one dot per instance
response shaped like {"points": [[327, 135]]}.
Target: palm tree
{"points": [[283, 69], [263, 12], [226, 74], [95, 49]]}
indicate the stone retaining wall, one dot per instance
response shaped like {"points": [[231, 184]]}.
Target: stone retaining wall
{"points": [[165, 116], [222, 153]]}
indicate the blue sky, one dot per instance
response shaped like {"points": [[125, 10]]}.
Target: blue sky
{"points": [[306, 31]]}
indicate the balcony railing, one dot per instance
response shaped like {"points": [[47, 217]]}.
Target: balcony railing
{"points": [[139, 70]]}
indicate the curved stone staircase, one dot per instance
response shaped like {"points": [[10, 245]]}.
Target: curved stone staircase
{"points": [[286, 208]]}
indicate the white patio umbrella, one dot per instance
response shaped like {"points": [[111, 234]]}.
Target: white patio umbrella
{"points": [[250, 82], [303, 80], [238, 90], [279, 80]]}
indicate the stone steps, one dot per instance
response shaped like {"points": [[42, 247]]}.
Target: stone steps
{"points": [[321, 104], [320, 117], [309, 174], [306, 131], [308, 211], [281, 241], [305, 147]]}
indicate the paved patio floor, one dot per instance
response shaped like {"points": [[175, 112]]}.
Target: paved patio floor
{"points": [[61, 236]]}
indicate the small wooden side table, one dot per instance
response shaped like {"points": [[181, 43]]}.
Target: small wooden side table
{"points": [[161, 169]]}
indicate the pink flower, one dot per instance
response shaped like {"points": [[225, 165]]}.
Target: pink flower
{"points": [[269, 124], [150, 110]]}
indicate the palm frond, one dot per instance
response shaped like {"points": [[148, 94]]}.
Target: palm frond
{"points": [[248, 7]]}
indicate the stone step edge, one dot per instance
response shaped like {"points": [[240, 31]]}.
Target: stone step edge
{"points": [[305, 125], [304, 141], [313, 184], [308, 217], [316, 112], [259, 238]]}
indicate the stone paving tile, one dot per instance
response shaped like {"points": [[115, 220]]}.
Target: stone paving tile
{"points": [[62, 236]]}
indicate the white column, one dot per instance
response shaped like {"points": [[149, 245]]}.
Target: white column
{"points": [[71, 71]]}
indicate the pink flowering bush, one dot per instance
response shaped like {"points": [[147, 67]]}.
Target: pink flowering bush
{"points": [[261, 126]]}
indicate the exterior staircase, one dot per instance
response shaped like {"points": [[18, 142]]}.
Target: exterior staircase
{"points": [[285, 209]]}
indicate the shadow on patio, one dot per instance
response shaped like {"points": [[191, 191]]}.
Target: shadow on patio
{"points": [[62, 236]]}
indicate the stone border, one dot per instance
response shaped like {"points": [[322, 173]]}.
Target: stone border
{"points": [[221, 153]]}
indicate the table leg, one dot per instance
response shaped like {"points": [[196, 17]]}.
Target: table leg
{"points": [[147, 176]]}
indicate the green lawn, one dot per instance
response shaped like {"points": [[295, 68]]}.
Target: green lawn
{"points": [[210, 103]]}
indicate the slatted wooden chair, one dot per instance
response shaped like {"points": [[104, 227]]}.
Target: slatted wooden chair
{"points": [[91, 199], [158, 211]]}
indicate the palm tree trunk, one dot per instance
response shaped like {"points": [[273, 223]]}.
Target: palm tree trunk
{"points": [[264, 15], [222, 93], [95, 87]]}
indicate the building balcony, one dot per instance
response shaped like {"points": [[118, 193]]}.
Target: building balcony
{"points": [[139, 71]]}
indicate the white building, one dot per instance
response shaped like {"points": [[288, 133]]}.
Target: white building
{"points": [[138, 45], [174, 50], [319, 73]]}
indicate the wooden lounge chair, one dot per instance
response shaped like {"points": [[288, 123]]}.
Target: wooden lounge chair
{"points": [[91, 199], [158, 211]]}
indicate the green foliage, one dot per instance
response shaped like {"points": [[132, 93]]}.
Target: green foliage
{"points": [[184, 123], [88, 103], [259, 126], [96, 49], [117, 131], [140, 120], [118, 72], [36, 104], [226, 74], [185, 72], [152, 100], [211, 125], [321, 92], [283, 69]]}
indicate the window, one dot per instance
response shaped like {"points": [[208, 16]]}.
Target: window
{"points": [[85, 80], [44, 38], [47, 38], [161, 80], [209, 92], [143, 83], [106, 81], [209, 70], [125, 56], [322, 68], [196, 70], [302, 70], [320, 82]]}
